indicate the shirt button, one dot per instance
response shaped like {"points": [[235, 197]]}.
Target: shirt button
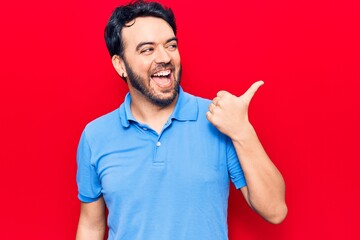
{"points": [[145, 129], [158, 144]]}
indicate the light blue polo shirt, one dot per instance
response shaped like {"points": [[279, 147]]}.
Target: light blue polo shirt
{"points": [[168, 186]]}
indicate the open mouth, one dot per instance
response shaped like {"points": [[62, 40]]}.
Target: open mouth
{"points": [[162, 78]]}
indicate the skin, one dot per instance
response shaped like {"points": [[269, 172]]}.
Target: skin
{"points": [[92, 221], [150, 45]]}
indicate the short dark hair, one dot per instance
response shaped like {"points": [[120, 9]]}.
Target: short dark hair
{"points": [[122, 15]]}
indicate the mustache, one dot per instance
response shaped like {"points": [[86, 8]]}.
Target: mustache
{"points": [[163, 66]]}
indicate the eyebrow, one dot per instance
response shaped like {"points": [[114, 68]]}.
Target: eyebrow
{"points": [[152, 43]]}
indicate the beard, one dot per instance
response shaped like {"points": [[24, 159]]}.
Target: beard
{"points": [[145, 89]]}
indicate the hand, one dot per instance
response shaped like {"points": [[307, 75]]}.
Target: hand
{"points": [[229, 114]]}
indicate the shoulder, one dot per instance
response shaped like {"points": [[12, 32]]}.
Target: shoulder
{"points": [[202, 103], [103, 124]]}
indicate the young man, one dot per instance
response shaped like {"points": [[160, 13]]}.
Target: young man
{"points": [[161, 163]]}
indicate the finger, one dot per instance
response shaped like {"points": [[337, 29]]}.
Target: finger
{"points": [[216, 101], [252, 90], [221, 93], [209, 116], [211, 107]]}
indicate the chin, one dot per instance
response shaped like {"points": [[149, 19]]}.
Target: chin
{"points": [[164, 100]]}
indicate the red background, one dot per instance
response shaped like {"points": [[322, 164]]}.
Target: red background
{"points": [[56, 76]]}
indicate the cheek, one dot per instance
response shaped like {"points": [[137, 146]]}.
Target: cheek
{"points": [[176, 58], [142, 68]]}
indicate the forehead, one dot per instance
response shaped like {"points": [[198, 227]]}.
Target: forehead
{"points": [[146, 29]]}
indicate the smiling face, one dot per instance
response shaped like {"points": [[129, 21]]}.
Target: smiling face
{"points": [[151, 60]]}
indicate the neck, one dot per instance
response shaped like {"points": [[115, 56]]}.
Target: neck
{"points": [[149, 113]]}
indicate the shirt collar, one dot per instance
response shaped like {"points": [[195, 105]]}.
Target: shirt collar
{"points": [[186, 109]]}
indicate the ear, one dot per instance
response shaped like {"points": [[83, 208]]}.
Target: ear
{"points": [[119, 65]]}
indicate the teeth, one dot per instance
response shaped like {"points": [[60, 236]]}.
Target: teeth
{"points": [[162, 73]]}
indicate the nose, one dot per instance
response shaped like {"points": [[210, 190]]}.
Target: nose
{"points": [[162, 55]]}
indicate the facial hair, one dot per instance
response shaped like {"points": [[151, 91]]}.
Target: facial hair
{"points": [[143, 87]]}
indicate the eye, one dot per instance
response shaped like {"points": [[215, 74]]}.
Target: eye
{"points": [[147, 50], [172, 46]]}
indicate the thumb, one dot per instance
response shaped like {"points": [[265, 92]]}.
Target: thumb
{"points": [[248, 95]]}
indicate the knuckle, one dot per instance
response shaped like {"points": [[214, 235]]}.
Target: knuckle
{"points": [[216, 111], [221, 93]]}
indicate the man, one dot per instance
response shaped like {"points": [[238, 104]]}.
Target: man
{"points": [[161, 163]]}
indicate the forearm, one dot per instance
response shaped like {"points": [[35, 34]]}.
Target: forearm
{"points": [[85, 231], [92, 221], [265, 185]]}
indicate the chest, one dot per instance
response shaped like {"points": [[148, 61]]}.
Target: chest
{"points": [[147, 164]]}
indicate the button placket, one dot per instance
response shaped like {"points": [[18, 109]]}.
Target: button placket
{"points": [[160, 149], [158, 153]]}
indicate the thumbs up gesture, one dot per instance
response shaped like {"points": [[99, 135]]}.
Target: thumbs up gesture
{"points": [[229, 114]]}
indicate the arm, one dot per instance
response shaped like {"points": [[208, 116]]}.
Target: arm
{"points": [[92, 221], [265, 190]]}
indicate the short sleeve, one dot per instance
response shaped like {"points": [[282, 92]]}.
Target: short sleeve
{"points": [[89, 187], [234, 167]]}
